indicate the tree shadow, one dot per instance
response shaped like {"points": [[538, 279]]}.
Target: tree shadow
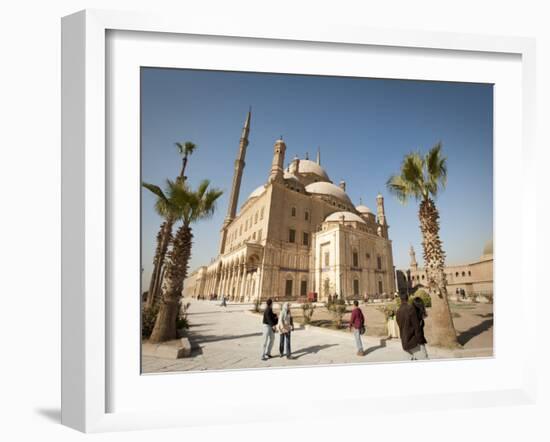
{"points": [[215, 338], [310, 350], [372, 349], [471, 333]]}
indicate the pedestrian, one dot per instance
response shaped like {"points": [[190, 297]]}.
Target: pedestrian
{"points": [[269, 325], [357, 325], [223, 304], [409, 330], [421, 314], [286, 325]]}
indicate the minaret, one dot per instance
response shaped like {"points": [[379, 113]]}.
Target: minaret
{"points": [[380, 210], [319, 156], [237, 177], [381, 215], [413, 264], [277, 172]]}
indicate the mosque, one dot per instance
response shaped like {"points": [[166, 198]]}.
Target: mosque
{"points": [[472, 278], [298, 233]]}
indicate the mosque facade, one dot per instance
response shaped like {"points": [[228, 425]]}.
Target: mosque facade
{"points": [[297, 233], [474, 278]]}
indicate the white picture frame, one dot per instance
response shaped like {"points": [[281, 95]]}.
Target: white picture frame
{"points": [[85, 198]]}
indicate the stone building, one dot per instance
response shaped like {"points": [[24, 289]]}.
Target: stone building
{"points": [[474, 278], [297, 233]]}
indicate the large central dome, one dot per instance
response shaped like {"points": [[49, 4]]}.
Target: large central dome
{"points": [[311, 167], [324, 188]]}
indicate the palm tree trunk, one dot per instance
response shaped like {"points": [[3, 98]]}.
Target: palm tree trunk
{"points": [[177, 264], [158, 287], [440, 328], [163, 241], [183, 166]]}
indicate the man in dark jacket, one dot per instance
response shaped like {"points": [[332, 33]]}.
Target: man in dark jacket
{"points": [[268, 337], [357, 324], [412, 338]]}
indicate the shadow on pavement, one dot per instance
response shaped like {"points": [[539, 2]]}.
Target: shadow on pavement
{"points": [[382, 344], [471, 333], [312, 349], [199, 339]]}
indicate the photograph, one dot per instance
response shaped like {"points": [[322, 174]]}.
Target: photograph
{"points": [[293, 220]]}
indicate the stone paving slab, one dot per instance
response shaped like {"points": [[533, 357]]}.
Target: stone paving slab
{"points": [[230, 338]]}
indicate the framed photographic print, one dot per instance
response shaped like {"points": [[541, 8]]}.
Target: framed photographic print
{"points": [[253, 205]]}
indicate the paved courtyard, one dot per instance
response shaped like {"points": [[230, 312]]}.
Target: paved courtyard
{"points": [[230, 338]]}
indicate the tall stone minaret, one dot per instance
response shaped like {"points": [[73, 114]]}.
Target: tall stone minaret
{"points": [[413, 264], [381, 215], [237, 177], [277, 171], [319, 156], [380, 210]]}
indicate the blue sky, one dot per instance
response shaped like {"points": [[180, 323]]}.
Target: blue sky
{"points": [[363, 127]]}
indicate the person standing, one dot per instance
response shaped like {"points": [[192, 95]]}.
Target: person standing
{"points": [[357, 325], [224, 303], [409, 330], [421, 314], [269, 324], [286, 325]]}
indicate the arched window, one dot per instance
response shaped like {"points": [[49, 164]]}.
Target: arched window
{"points": [[355, 287], [469, 273], [291, 235], [303, 287], [288, 287], [262, 213], [355, 259], [306, 215], [456, 274], [293, 211], [463, 273]]}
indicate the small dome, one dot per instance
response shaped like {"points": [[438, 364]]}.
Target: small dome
{"points": [[308, 166], [324, 188], [488, 248], [257, 192], [363, 209], [348, 216]]}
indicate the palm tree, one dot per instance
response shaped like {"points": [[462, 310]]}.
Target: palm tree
{"points": [[421, 178], [164, 235], [185, 149], [192, 206], [165, 209]]}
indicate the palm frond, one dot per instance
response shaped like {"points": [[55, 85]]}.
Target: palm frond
{"points": [[189, 148], [154, 189], [186, 148], [436, 169], [209, 202], [397, 186], [203, 187]]}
